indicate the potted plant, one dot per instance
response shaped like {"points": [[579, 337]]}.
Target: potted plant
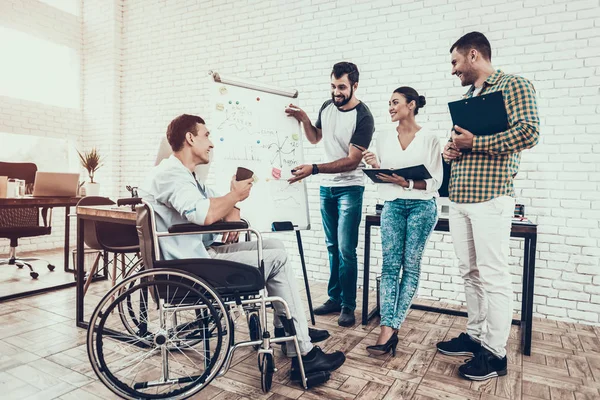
{"points": [[91, 161]]}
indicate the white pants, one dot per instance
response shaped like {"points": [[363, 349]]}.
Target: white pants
{"points": [[279, 279], [481, 235]]}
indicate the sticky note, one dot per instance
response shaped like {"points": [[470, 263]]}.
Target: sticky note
{"points": [[276, 173]]}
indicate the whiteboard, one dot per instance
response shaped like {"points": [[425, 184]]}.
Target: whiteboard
{"points": [[249, 128]]}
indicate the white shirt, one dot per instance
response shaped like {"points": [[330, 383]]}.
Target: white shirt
{"points": [[178, 198], [424, 149], [339, 129]]}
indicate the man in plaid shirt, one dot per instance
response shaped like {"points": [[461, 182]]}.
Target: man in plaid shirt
{"points": [[482, 195]]}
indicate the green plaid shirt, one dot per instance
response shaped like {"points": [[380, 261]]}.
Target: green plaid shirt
{"points": [[489, 169]]}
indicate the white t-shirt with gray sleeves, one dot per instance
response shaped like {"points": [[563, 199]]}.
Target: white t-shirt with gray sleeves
{"points": [[339, 129], [424, 149]]}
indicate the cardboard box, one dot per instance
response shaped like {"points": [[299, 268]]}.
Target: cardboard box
{"points": [[3, 185]]}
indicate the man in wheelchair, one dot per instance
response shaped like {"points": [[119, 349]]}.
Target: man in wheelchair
{"points": [[177, 197]]}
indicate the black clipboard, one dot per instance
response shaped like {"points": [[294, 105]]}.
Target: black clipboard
{"points": [[416, 173], [480, 115]]}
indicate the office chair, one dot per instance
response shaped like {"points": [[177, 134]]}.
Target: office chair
{"points": [[110, 238], [20, 222]]}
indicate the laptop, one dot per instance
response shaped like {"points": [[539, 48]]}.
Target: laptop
{"points": [[55, 184]]}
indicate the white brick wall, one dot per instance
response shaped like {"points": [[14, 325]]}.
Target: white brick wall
{"points": [[169, 46], [102, 31], [136, 82], [31, 118]]}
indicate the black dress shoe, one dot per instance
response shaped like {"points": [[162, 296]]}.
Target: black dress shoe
{"points": [[346, 317], [329, 307], [316, 335], [484, 365], [381, 349], [463, 345], [317, 361]]}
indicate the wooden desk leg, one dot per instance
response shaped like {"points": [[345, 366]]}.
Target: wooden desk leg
{"points": [[530, 292], [80, 270], [67, 237], [366, 268]]}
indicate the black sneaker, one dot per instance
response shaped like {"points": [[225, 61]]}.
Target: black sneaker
{"points": [[463, 345], [316, 335], [329, 307], [317, 361], [482, 366], [346, 317]]}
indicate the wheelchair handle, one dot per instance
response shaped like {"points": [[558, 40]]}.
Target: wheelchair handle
{"points": [[129, 201]]}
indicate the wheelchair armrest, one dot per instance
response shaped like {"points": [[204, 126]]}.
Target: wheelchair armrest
{"points": [[129, 201], [216, 227]]}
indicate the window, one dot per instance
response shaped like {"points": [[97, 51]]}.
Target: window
{"points": [[58, 155], [38, 70]]}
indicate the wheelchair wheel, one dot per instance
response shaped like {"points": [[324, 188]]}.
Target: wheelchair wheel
{"points": [[128, 315], [180, 343], [266, 364], [254, 328]]}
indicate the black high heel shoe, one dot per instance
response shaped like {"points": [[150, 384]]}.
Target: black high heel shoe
{"points": [[381, 349]]}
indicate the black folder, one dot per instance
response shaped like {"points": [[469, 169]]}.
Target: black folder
{"points": [[480, 115], [416, 173]]}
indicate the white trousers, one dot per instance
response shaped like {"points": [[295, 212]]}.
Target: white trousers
{"points": [[481, 235]]}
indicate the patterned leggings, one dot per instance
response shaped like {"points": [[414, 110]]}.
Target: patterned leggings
{"points": [[406, 224]]}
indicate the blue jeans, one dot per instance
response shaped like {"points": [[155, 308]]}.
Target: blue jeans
{"points": [[341, 209], [406, 224]]}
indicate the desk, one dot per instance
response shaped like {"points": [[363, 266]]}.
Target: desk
{"points": [[527, 231], [51, 202], [113, 214]]}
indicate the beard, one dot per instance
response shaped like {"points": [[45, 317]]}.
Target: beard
{"points": [[469, 78], [345, 100]]}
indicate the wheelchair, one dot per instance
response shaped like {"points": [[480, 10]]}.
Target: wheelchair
{"points": [[168, 331]]}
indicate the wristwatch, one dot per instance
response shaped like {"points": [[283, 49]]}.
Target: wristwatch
{"points": [[411, 184], [315, 169]]}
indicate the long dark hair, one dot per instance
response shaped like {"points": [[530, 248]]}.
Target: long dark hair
{"points": [[411, 94]]}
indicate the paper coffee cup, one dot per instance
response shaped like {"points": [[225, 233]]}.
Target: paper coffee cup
{"points": [[243, 173]]}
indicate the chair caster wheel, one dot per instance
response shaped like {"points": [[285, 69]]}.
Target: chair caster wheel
{"points": [[266, 364], [317, 378], [254, 328], [19, 265], [34, 275], [51, 267]]}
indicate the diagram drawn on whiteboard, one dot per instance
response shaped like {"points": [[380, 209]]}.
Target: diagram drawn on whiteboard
{"points": [[249, 128]]}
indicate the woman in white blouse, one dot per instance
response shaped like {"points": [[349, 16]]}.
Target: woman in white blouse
{"points": [[409, 213]]}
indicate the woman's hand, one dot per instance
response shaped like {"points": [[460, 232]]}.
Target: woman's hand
{"points": [[370, 158], [396, 179]]}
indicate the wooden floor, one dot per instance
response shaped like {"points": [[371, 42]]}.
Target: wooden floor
{"points": [[15, 280], [43, 356]]}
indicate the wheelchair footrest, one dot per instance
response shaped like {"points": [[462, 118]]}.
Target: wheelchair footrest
{"points": [[317, 378]]}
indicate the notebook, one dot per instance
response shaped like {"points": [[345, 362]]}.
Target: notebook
{"points": [[416, 173]]}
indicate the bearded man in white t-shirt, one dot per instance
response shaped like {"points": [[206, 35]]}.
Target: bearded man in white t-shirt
{"points": [[346, 127]]}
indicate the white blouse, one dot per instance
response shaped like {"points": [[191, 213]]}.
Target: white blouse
{"points": [[424, 149]]}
